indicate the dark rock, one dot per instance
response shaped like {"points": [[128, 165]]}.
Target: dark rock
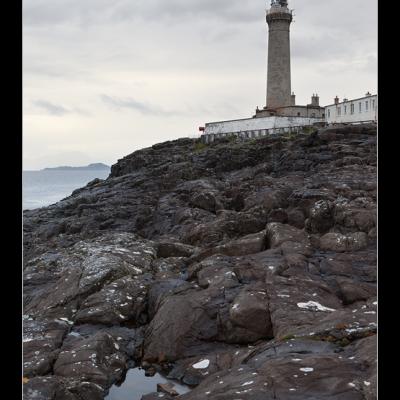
{"points": [[204, 200], [278, 215], [170, 249], [339, 242], [321, 217], [351, 292], [41, 350], [277, 234], [296, 218], [236, 267]]}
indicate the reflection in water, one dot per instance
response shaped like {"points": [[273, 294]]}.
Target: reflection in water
{"points": [[136, 385]]}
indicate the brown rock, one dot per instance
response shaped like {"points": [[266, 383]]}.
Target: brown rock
{"points": [[167, 389], [278, 233], [341, 243]]}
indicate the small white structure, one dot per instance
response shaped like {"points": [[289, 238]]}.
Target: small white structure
{"points": [[364, 109], [256, 127]]}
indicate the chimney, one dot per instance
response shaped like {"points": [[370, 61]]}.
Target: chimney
{"points": [[293, 99], [336, 100], [315, 100], [367, 94]]}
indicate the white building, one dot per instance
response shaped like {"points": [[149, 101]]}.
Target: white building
{"points": [[256, 124], [257, 127], [360, 110]]}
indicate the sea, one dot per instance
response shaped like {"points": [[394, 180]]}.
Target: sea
{"points": [[48, 186]]}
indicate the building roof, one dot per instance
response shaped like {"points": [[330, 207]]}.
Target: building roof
{"points": [[349, 101]]}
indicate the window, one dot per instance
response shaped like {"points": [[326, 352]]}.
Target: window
{"points": [[329, 113], [359, 106], [352, 109], [339, 111], [366, 106], [323, 115], [298, 114], [373, 104], [345, 109]]}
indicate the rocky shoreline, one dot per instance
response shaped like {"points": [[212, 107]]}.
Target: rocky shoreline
{"points": [[246, 269]]}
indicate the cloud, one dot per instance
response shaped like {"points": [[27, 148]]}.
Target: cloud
{"points": [[118, 103], [50, 108], [58, 110], [90, 12], [137, 64]]}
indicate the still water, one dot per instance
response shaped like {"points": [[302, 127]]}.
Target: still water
{"points": [[42, 188], [136, 385]]}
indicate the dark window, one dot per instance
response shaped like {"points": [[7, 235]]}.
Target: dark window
{"points": [[298, 114]]}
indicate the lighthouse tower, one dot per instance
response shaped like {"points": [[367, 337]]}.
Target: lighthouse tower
{"points": [[279, 18], [280, 111]]}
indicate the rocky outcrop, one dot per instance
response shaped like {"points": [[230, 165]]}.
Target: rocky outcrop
{"points": [[244, 269]]}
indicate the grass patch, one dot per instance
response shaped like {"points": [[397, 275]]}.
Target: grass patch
{"points": [[287, 337], [199, 146], [289, 135], [308, 130], [231, 138]]}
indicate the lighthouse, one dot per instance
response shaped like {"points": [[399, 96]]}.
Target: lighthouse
{"points": [[281, 110], [279, 18]]}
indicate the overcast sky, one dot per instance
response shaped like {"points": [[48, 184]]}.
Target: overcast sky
{"points": [[103, 78]]}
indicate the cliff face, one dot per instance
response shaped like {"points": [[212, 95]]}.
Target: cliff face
{"points": [[246, 269]]}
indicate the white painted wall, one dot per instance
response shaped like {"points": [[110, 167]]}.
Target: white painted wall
{"points": [[341, 112], [255, 124]]}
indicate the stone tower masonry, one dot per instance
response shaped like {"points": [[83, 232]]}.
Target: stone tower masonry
{"points": [[279, 18]]}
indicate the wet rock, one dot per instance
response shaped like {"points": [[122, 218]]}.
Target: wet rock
{"points": [[171, 249], [351, 292], [57, 388], [269, 199], [278, 233], [296, 218], [321, 217], [121, 301], [248, 244], [162, 289], [297, 376], [41, 342], [46, 388], [95, 359], [341, 243], [250, 311]]}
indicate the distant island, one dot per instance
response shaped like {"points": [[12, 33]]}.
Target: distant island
{"points": [[90, 167]]}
